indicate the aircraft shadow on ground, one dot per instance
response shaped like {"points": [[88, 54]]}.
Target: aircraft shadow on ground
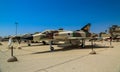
{"points": [[71, 48], [34, 45]]}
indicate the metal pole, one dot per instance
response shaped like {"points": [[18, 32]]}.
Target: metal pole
{"points": [[12, 51], [110, 41], [92, 44], [16, 28], [12, 58], [92, 52]]}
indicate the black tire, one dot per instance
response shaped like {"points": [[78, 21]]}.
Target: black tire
{"points": [[52, 48], [29, 44], [53, 43], [82, 45], [44, 43]]}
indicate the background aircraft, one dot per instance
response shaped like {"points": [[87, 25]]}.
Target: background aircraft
{"points": [[44, 37], [114, 31]]}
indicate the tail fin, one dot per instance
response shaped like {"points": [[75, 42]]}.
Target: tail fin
{"points": [[86, 28]]}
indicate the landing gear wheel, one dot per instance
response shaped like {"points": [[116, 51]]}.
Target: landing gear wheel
{"points": [[52, 48], [29, 44], [51, 42], [83, 46], [44, 43]]}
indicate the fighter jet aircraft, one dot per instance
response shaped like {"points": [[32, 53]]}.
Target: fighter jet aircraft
{"points": [[69, 38], [75, 38], [115, 32], [44, 37]]}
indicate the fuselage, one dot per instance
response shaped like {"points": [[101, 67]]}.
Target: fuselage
{"points": [[67, 34]]}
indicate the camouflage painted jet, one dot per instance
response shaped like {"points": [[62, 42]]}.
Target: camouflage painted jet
{"points": [[114, 31], [45, 37], [19, 38], [75, 38], [70, 38]]}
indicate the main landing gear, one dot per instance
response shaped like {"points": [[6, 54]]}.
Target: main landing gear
{"points": [[83, 43], [51, 48]]}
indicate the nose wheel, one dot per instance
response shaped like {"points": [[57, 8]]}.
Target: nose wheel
{"points": [[29, 44], [83, 45], [51, 48]]}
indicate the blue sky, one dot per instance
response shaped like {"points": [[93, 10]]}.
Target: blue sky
{"points": [[39, 15]]}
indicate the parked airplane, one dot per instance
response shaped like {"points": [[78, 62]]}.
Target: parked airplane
{"points": [[45, 37], [75, 38], [70, 38], [115, 32]]}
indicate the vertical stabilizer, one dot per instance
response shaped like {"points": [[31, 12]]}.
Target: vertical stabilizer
{"points": [[86, 28]]}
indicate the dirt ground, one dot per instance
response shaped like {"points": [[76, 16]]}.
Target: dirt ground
{"points": [[39, 58]]}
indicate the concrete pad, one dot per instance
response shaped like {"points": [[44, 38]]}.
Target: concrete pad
{"points": [[38, 58]]}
